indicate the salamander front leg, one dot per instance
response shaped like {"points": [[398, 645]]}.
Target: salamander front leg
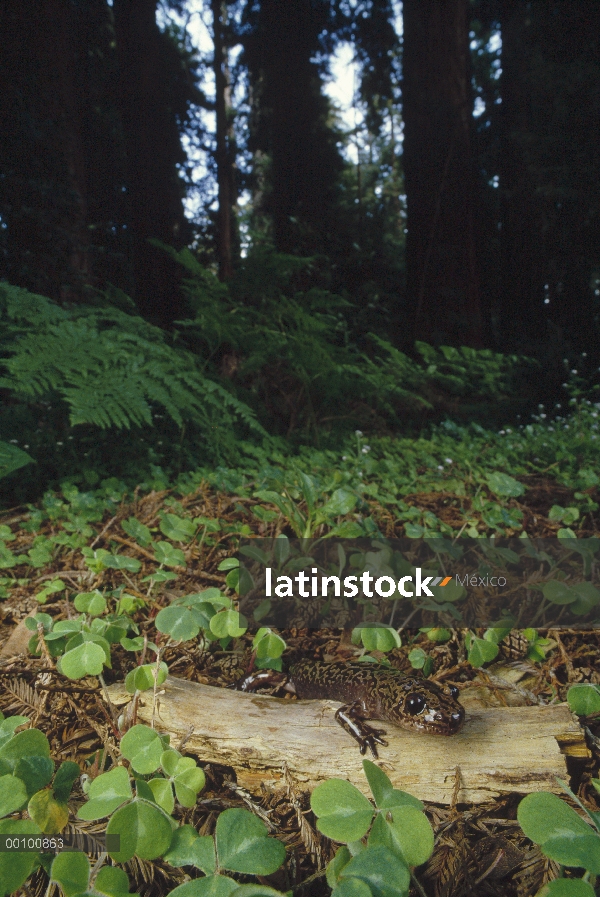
{"points": [[351, 719]]}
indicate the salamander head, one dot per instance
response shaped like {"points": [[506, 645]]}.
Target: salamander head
{"points": [[424, 706]]}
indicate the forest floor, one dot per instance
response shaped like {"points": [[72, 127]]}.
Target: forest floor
{"points": [[479, 849]]}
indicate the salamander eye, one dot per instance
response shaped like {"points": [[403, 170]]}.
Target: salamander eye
{"points": [[415, 704], [453, 691]]}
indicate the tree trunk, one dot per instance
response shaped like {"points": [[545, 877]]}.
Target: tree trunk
{"points": [[441, 265], [225, 152], [42, 153], [521, 263], [153, 149]]}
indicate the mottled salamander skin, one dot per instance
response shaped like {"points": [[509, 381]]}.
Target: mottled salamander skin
{"points": [[382, 693]]}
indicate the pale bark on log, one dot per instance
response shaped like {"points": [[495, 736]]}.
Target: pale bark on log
{"points": [[499, 750]]}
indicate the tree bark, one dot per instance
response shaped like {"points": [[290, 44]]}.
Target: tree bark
{"points": [[225, 151], [521, 263], [441, 264], [153, 148], [499, 750], [44, 194]]}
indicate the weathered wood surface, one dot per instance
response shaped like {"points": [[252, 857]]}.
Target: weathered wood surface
{"points": [[500, 750]]}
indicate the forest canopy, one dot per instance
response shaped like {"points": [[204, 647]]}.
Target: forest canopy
{"points": [[179, 172]]}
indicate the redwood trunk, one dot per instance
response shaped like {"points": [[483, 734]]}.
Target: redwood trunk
{"points": [[441, 265], [225, 152], [152, 147]]}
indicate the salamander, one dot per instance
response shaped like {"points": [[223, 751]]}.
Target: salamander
{"points": [[373, 692]]}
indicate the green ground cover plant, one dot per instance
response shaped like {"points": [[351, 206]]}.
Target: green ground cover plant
{"points": [[168, 421]]}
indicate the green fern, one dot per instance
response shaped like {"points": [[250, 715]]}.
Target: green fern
{"points": [[108, 366]]}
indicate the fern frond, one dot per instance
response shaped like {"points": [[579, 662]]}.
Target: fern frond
{"points": [[108, 366]]}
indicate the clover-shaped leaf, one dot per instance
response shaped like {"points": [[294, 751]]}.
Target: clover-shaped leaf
{"points": [[481, 651], [341, 503], [13, 795], [16, 867], [143, 747], [137, 531], [63, 780], [8, 726], [386, 796], [50, 814], [93, 603], [142, 678], [162, 791], [504, 485], [559, 592], [107, 792], [228, 623], [268, 647], [178, 529], [169, 556], [55, 585], [406, 831], [112, 881], [71, 870], [561, 833], [342, 858], [378, 637], [243, 844], [87, 659], [27, 744], [209, 886], [567, 887], [180, 623], [188, 848], [122, 562], [344, 814], [584, 699], [188, 779], [352, 887], [385, 873], [34, 772], [144, 830]]}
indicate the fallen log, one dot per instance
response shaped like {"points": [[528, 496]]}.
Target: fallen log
{"points": [[499, 750]]}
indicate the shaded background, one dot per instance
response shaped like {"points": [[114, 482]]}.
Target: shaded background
{"points": [[460, 209]]}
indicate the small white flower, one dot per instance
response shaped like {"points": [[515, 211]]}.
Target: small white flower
{"points": [[344, 457], [59, 443], [542, 416], [448, 460], [584, 354], [25, 446], [573, 371], [358, 433], [366, 449], [501, 432], [440, 466]]}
